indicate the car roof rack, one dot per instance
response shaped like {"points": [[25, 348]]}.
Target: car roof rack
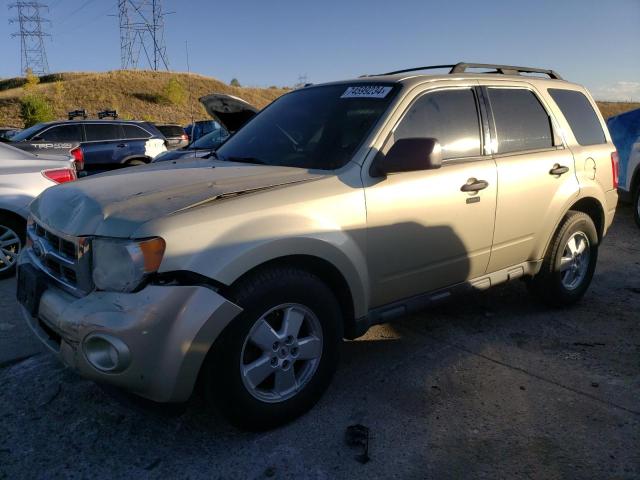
{"points": [[108, 113], [462, 67], [77, 113]]}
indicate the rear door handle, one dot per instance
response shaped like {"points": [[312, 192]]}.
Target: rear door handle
{"points": [[558, 170], [122, 145], [474, 185]]}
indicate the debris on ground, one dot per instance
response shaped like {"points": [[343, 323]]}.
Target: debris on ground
{"points": [[358, 436]]}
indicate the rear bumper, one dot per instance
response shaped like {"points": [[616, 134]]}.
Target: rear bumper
{"points": [[161, 335]]}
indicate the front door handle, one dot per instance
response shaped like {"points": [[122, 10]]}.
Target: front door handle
{"points": [[474, 185], [558, 170], [122, 145]]}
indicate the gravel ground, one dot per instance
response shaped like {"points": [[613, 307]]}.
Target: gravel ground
{"points": [[489, 386]]}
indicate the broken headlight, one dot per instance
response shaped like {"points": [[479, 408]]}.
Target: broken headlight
{"points": [[121, 265]]}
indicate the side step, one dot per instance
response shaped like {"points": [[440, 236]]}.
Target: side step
{"points": [[407, 306]]}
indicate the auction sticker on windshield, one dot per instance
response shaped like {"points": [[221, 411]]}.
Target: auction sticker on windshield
{"points": [[366, 91]]}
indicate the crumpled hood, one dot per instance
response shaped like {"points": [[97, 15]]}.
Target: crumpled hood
{"points": [[117, 203]]}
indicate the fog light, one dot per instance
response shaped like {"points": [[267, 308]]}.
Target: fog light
{"points": [[106, 353]]}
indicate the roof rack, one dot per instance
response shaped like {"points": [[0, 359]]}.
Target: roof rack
{"points": [[462, 67], [108, 113], [77, 113]]}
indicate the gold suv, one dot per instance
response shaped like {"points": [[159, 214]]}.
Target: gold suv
{"points": [[337, 207]]}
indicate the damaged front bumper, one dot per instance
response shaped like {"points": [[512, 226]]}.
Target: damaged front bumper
{"points": [[151, 342]]}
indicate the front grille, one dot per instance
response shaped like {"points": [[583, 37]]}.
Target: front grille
{"points": [[64, 258]]}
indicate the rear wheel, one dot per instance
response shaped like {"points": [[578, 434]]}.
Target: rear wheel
{"points": [[274, 361], [636, 204], [135, 162], [569, 263], [12, 235]]}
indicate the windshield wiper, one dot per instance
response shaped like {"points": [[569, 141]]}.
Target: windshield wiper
{"points": [[253, 160]]}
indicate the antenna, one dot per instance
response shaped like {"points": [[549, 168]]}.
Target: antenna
{"points": [[33, 54], [186, 47], [142, 31]]}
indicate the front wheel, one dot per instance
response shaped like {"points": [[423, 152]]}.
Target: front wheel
{"points": [[274, 361], [12, 234], [569, 263]]}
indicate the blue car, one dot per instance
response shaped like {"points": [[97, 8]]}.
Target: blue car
{"points": [[105, 144], [625, 132], [198, 149]]}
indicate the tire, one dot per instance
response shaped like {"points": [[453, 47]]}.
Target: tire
{"points": [[561, 283], [12, 237], [135, 162], [636, 204], [254, 404]]}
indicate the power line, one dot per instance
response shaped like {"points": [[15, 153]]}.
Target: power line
{"points": [[31, 34]]}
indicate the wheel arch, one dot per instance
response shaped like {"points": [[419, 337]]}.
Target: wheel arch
{"points": [[11, 214], [323, 269], [592, 207], [144, 158]]}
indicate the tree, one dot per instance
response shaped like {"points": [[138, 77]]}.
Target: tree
{"points": [[175, 92], [35, 108], [235, 82]]}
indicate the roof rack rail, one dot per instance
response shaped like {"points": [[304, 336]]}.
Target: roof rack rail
{"points": [[108, 113], [504, 69], [462, 67]]}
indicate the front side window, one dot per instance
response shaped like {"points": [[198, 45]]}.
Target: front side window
{"points": [[449, 116], [313, 128], [521, 121], [101, 132], [63, 133], [580, 115]]}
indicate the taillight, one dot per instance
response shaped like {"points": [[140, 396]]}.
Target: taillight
{"points": [[78, 158], [60, 175], [185, 137], [615, 168]]}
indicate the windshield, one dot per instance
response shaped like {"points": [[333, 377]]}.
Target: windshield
{"points": [[313, 128], [25, 134], [210, 140]]}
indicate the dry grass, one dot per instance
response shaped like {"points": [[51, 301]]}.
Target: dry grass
{"points": [[139, 95], [135, 94]]}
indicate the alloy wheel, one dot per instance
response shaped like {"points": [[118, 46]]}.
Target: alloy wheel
{"points": [[281, 353]]}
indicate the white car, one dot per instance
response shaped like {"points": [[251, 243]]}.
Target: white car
{"points": [[24, 176]]}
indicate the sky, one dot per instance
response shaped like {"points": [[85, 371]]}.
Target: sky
{"points": [[262, 43]]}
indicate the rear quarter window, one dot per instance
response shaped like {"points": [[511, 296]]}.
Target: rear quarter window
{"points": [[133, 131], [580, 115], [170, 130]]}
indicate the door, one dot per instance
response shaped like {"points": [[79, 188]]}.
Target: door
{"points": [[423, 231], [536, 175], [104, 145]]}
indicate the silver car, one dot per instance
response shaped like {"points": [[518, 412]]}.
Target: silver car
{"points": [[24, 176]]}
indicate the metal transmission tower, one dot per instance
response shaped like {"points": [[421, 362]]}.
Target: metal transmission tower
{"points": [[34, 56], [142, 34]]}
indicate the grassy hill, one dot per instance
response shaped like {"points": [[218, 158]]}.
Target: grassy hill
{"points": [[141, 95]]}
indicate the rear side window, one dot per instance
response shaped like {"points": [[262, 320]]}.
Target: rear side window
{"points": [[450, 116], [101, 132], [133, 131], [582, 119], [522, 123], [63, 133]]}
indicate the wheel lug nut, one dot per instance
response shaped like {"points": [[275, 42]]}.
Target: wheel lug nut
{"points": [[289, 340], [274, 361], [294, 351], [285, 364], [276, 345]]}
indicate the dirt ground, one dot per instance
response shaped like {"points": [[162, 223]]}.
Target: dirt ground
{"points": [[487, 386]]}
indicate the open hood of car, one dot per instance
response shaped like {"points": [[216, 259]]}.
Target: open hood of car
{"points": [[231, 112]]}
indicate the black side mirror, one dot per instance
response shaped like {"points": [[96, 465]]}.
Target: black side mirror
{"points": [[408, 155]]}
